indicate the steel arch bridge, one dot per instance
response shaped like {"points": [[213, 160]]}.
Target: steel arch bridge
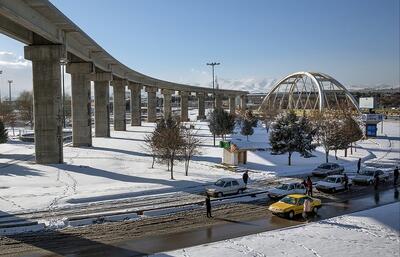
{"points": [[308, 91]]}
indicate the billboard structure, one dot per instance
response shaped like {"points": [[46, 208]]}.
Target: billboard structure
{"points": [[366, 103]]}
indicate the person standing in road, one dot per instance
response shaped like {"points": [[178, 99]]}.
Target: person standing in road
{"points": [[346, 181], [309, 186], [305, 185], [208, 207], [395, 175], [306, 208], [376, 181], [358, 165], [245, 177]]}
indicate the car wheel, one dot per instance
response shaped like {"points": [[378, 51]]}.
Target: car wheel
{"points": [[370, 182], [315, 210], [240, 191], [220, 194], [291, 215]]}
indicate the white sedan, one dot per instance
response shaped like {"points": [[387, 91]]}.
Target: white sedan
{"points": [[332, 183], [286, 189], [226, 186]]}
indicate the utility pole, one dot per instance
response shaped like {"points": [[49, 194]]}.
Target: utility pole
{"points": [[63, 91], [212, 64], [9, 90], [1, 72], [10, 105]]}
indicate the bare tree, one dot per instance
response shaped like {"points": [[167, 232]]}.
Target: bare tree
{"points": [[328, 126], [191, 146], [166, 142], [24, 105]]}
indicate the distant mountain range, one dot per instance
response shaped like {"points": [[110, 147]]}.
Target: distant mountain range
{"points": [[263, 85]]}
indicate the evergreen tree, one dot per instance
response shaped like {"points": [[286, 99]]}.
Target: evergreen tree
{"points": [[292, 134], [247, 129], [3, 133], [248, 121], [221, 122], [306, 134]]}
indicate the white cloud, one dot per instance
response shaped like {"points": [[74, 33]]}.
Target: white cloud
{"points": [[10, 60]]}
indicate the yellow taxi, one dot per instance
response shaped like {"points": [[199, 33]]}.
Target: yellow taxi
{"points": [[291, 205]]}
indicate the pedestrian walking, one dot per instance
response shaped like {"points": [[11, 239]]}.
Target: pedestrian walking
{"points": [[208, 207], [346, 181], [245, 177], [395, 175], [376, 181], [358, 165], [309, 186]]}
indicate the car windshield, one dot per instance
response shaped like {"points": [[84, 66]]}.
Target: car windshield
{"points": [[283, 187], [330, 180], [288, 200], [220, 183], [324, 166], [368, 172]]}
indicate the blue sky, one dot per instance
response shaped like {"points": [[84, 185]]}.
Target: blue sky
{"points": [[355, 41]]}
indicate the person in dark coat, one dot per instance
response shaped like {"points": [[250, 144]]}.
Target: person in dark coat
{"points": [[376, 181], [245, 177], [309, 186], [395, 175], [346, 181], [358, 165], [305, 185], [208, 207]]}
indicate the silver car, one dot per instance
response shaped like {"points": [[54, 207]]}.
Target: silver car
{"points": [[367, 176], [327, 169], [226, 186], [286, 189], [332, 183]]}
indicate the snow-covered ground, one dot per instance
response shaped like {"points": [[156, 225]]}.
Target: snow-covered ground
{"points": [[119, 167], [373, 232]]}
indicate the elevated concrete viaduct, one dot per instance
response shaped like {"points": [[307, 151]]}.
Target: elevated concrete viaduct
{"points": [[52, 38]]}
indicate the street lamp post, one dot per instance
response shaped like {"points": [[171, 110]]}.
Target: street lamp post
{"points": [[9, 90], [10, 105], [212, 64]]}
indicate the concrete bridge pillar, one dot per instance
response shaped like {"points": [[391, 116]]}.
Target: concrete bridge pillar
{"points": [[218, 100], [167, 101], [184, 105], [232, 104], [47, 106], [243, 102], [81, 105], [201, 105], [136, 110], [119, 105], [151, 104], [101, 103]]}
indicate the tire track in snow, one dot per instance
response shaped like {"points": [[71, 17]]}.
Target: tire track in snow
{"points": [[246, 249], [315, 253]]}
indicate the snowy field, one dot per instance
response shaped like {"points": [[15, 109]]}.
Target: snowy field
{"points": [[119, 167], [373, 232]]}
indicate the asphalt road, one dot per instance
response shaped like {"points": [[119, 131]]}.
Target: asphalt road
{"points": [[180, 230]]}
